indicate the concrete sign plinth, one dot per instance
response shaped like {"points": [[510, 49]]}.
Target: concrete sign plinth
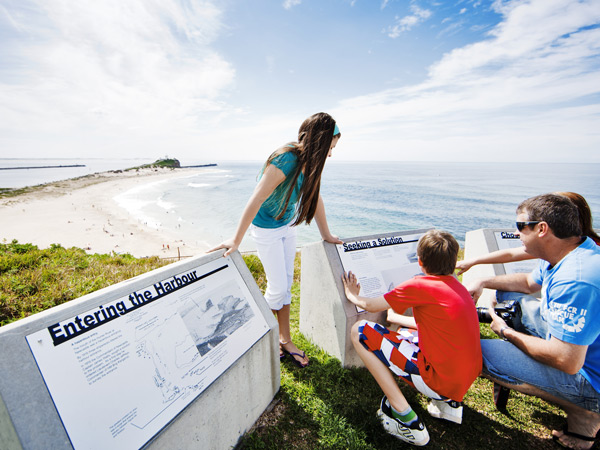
{"points": [[380, 261], [182, 357]]}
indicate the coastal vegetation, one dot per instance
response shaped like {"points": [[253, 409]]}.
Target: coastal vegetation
{"points": [[323, 406], [33, 279], [10, 192], [166, 163]]}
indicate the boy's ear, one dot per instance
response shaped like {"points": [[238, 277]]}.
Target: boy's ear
{"points": [[420, 263]]}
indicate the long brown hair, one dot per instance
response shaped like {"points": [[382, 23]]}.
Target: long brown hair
{"points": [[585, 215], [312, 148]]}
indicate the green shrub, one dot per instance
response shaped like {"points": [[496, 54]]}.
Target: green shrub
{"points": [[33, 279]]}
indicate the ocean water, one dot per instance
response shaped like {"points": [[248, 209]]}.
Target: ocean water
{"points": [[32, 177], [367, 198], [362, 198]]}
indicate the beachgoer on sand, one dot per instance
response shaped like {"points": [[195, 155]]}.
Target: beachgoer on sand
{"points": [[287, 195]]}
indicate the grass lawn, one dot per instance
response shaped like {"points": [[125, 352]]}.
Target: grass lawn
{"points": [[323, 406], [326, 406]]}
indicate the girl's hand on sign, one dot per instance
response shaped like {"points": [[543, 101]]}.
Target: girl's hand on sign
{"points": [[333, 239], [229, 244]]}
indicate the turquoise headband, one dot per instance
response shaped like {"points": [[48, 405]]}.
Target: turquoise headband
{"points": [[336, 130]]}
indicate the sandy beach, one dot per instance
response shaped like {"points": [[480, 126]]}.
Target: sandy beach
{"points": [[83, 213]]}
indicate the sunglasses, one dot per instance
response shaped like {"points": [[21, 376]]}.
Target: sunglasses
{"points": [[521, 225]]}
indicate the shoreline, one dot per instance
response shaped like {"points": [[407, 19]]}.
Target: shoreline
{"points": [[82, 212]]}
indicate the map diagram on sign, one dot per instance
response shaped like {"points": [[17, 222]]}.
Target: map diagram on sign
{"points": [[204, 321], [137, 360], [211, 319]]}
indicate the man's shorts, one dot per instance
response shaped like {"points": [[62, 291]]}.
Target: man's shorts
{"points": [[505, 362], [399, 351]]}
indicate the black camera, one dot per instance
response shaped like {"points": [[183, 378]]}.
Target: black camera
{"points": [[510, 311]]}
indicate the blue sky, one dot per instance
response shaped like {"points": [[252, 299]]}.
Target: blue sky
{"points": [[410, 80]]}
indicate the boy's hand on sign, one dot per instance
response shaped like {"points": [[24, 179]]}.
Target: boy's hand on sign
{"points": [[351, 285]]}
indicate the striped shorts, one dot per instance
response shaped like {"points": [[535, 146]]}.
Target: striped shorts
{"points": [[399, 351]]}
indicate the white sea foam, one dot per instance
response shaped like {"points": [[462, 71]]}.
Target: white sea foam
{"points": [[136, 202], [167, 206]]}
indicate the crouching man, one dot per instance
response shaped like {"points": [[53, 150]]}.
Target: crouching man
{"points": [[562, 366]]}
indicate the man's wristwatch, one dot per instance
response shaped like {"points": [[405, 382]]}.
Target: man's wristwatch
{"points": [[502, 333]]}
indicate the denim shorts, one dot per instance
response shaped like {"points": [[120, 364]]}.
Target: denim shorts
{"points": [[505, 362], [531, 320]]}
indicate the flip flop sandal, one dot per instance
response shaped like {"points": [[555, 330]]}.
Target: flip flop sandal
{"points": [[293, 355], [566, 432]]}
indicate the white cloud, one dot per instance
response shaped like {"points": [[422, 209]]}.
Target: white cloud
{"points": [[142, 77], [535, 79], [289, 4], [112, 68], [451, 29], [407, 22]]}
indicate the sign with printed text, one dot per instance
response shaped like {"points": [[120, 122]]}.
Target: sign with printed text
{"points": [[507, 240], [381, 263], [120, 372]]}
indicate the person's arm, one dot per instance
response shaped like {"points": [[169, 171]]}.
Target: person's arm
{"points": [[401, 319], [352, 289], [272, 177], [555, 353], [321, 220], [517, 282], [498, 257]]}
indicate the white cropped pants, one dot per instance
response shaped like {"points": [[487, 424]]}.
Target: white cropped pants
{"points": [[276, 249]]}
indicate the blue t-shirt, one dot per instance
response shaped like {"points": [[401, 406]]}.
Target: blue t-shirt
{"points": [[571, 303], [270, 209]]}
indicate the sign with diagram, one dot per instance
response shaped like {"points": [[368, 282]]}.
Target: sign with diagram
{"points": [[120, 372]]}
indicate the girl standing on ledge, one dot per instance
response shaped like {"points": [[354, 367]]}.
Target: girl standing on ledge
{"points": [[286, 195]]}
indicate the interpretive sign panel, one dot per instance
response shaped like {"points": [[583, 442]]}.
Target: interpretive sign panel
{"points": [[506, 240], [382, 263], [120, 372]]}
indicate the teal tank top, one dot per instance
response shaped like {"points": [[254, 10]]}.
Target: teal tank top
{"points": [[265, 218]]}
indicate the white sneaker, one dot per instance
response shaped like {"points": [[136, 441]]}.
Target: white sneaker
{"points": [[415, 433], [451, 411]]}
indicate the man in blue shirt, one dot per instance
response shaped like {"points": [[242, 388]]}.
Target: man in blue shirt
{"points": [[561, 362]]}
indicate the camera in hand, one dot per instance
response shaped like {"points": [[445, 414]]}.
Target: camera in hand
{"points": [[510, 311]]}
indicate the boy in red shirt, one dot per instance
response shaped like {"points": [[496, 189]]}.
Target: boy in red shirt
{"points": [[441, 359]]}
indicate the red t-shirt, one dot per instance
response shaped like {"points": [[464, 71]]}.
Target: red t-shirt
{"points": [[448, 327]]}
